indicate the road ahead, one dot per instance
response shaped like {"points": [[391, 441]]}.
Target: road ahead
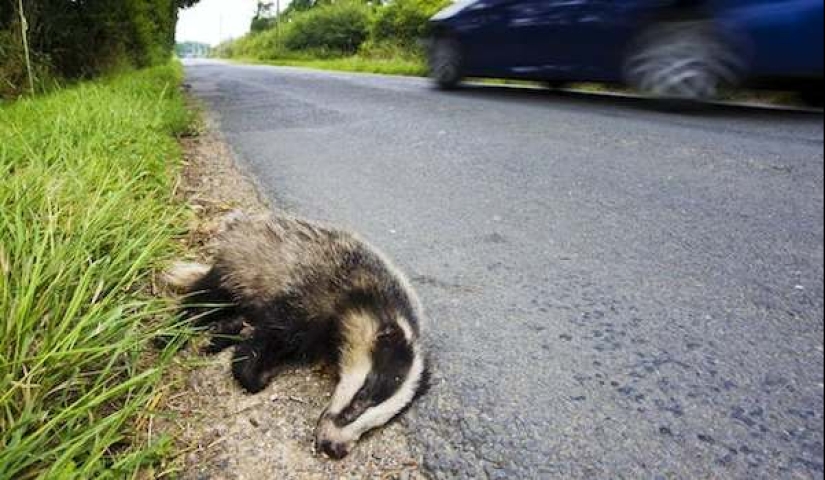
{"points": [[613, 290]]}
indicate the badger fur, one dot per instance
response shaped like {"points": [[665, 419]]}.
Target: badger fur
{"points": [[305, 289]]}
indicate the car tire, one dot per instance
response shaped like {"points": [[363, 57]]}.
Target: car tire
{"points": [[682, 61], [446, 63]]}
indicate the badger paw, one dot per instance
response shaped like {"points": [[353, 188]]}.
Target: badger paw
{"points": [[224, 336], [251, 384], [249, 379], [247, 368]]}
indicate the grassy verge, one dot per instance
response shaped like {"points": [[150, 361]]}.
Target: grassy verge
{"points": [[86, 216], [384, 59], [355, 63]]}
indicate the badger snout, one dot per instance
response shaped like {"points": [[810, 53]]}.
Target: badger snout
{"points": [[335, 451], [331, 440]]}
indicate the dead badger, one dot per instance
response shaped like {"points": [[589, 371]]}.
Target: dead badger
{"points": [[306, 289]]}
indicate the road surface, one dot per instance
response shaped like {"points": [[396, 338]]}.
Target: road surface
{"points": [[613, 290]]}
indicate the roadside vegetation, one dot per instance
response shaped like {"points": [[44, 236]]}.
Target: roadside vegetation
{"points": [[346, 35], [67, 40], [87, 216]]}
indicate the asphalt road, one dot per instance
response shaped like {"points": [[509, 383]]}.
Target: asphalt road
{"points": [[614, 291]]}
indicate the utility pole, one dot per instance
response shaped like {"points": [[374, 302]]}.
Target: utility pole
{"points": [[24, 29], [220, 35], [278, 20]]}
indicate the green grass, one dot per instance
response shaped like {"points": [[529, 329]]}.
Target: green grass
{"points": [[387, 59], [356, 63], [86, 217]]}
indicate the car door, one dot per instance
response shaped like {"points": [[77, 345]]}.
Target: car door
{"points": [[540, 27], [491, 46], [570, 39]]}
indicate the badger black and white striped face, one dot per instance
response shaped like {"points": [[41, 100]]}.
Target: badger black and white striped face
{"points": [[382, 371]]}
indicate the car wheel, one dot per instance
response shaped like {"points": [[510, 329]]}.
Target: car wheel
{"points": [[682, 61], [445, 63]]}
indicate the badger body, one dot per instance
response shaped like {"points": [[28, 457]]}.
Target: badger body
{"points": [[306, 290]]}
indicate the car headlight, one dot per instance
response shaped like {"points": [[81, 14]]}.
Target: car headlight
{"points": [[454, 9]]}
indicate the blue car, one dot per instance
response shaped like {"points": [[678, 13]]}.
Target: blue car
{"points": [[673, 49]]}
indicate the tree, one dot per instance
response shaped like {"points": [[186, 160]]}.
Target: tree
{"points": [[299, 6], [263, 19], [80, 38]]}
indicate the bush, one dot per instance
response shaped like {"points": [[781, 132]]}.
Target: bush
{"points": [[337, 28], [328, 31], [265, 45], [13, 76], [261, 24], [404, 22], [12, 66]]}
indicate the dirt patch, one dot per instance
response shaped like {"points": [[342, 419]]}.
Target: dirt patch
{"points": [[226, 433]]}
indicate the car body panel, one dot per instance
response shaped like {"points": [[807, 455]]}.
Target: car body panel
{"points": [[785, 37], [588, 40]]}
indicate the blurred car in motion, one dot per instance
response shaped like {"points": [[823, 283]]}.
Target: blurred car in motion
{"points": [[673, 49]]}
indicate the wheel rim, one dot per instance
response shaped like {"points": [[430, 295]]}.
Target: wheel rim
{"points": [[683, 62]]}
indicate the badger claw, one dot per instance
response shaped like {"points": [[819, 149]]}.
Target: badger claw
{"points": [[250, 382], [250, 362]]}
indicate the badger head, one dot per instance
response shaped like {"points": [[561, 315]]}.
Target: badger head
{"points": [[382, 371]]}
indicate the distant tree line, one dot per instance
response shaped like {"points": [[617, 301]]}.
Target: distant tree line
{"points": [[193, 49], [72, 39]]}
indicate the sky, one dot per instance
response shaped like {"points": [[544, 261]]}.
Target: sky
{"points": [[212, 21]]}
